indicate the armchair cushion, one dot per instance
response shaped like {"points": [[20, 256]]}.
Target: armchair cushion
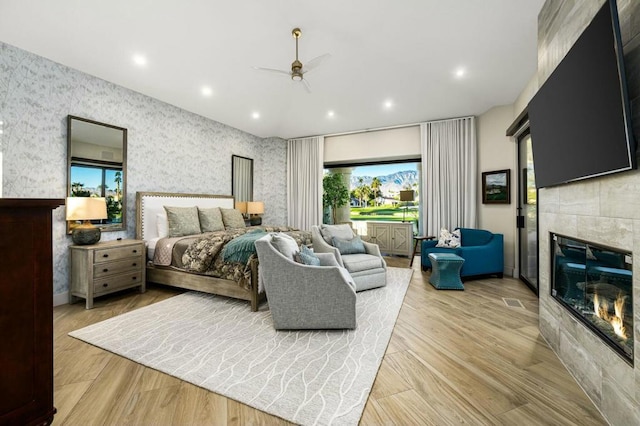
{"points": [[361, 262], [343, 231], [348, 246], [285, 245], [307, 257]]}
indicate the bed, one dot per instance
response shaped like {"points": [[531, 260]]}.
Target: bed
{"points": [[242, 285]]}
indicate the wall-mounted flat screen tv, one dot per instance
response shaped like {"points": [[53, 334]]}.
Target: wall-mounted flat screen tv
{"points": [[580, 118]]}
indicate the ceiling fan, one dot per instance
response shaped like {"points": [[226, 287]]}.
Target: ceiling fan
{"points": [[298, 70]]}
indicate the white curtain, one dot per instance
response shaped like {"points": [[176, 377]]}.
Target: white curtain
{"points": [[449, 174], [305, 163]]}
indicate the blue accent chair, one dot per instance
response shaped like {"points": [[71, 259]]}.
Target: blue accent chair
{"points": [[482, 251]]}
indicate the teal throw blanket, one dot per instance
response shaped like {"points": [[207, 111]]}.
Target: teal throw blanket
{"points": [[241, 248]]}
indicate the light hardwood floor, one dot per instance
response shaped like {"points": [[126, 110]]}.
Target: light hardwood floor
{"points": [[455, 357]]}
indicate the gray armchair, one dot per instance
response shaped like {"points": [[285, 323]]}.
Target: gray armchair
{"points": [[306, 297], [369, 270]]}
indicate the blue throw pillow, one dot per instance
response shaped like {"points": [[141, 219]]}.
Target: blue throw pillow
{"points": [[352, 246], [308, 257]]}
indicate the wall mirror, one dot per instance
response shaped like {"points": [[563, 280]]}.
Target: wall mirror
{"points": [[96, 167], [242, 178]]}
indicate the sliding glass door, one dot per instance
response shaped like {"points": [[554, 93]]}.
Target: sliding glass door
{"points": [[527, 213]]}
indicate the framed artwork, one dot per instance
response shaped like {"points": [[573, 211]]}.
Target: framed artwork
{"points": [[496, 187]]}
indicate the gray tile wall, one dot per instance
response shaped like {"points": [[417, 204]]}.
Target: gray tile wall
{"points": [[169, 149], [604, 210]]}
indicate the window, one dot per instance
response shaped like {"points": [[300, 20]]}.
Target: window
{"points": [[98, 181]]}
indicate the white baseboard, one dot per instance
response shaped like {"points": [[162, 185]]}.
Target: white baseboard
{"points": [[61, 299], [510, 272]]}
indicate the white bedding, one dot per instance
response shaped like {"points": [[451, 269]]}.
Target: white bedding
{"points": [[151, 247]]}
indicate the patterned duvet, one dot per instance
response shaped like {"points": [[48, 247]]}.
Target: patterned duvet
{"points": [[202, 253]]}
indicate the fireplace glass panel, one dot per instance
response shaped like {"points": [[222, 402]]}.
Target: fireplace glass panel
{"points": [[595, 284]]}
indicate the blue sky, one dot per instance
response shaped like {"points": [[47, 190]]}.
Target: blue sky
{"points": [[383, 169], [89, 176], [92, 177]]}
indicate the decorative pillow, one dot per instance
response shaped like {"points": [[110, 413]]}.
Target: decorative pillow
{"points": [[285, 245], [210, 219], [449, 239], [306, 256], [343, 231], [232, 218], [349, 246], [182, 221], [162, 226]]}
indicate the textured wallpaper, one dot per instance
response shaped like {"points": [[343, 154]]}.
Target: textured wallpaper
{"points": [[169, 149]]}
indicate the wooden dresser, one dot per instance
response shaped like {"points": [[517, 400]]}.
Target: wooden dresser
{"points": [[106, 267], [26, 311]]}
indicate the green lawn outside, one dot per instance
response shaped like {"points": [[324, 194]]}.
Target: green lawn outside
{"points": [[384, 213]]}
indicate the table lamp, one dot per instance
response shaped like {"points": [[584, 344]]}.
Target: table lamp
{"points": [[406, 195], [241, 206], [86, 209], [254, 210]]}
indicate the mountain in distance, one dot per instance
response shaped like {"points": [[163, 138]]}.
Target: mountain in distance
{"points": [[391, 184]]}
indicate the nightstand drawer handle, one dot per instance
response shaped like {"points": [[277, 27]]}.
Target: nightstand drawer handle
{"points": [[105, 270], [134, 264], [134, 278], [135, 251], [105, 285], [105, 255]]}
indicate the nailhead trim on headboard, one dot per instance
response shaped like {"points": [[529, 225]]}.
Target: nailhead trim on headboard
{"points": [[152, 203]]}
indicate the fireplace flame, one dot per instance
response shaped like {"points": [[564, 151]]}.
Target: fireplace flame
{"points": [[601, 310]]}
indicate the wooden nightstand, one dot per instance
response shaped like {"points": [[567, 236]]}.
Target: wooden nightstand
{"points": [[106, 267]]}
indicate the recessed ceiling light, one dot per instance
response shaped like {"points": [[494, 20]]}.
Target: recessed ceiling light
{"points": [[460, 72], [331, 113], [139, 60], [255, 115], [207, 91], [388, 104]]}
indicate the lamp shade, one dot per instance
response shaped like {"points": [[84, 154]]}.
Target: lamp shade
{"points": [[255, 207], [86, 208], [241, 206], [406, 195]]}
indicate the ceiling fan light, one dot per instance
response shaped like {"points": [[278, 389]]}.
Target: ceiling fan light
{"points": [[296, 77]]}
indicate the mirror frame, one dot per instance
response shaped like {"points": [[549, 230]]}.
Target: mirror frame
{"points": [[238, 165], [103, 227]]}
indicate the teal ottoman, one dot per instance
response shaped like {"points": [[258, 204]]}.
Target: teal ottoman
{"points": [[445, 271]]}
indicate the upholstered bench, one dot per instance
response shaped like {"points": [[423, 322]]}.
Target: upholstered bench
{"points": [[445, 271]]}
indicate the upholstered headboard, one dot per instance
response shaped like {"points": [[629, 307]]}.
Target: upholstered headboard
{"points": [[149, 204]]}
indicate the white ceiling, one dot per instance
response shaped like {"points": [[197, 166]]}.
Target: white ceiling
{"points": [[405, 50]]}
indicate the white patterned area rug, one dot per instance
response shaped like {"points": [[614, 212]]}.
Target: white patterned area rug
{"points": [[306, 377]]}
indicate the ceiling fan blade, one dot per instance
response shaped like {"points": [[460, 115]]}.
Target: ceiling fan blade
{"points": [[306, 85], [273, 70], [315, 62]]}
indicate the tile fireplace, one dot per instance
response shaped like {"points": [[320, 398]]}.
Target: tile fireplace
{"points": [[594, 283]]}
